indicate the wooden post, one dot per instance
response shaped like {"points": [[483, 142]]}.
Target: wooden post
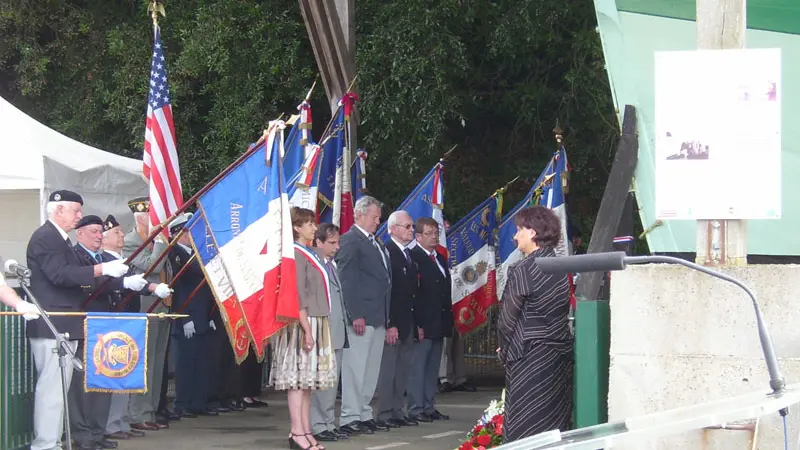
{"points": [[721, 24], [613, 202]]}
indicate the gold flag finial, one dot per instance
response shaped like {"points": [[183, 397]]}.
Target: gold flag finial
{"points": [[155, 8], [559, 133]]}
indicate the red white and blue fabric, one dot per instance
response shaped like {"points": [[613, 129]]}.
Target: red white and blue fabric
{"points": [[160, 160]]}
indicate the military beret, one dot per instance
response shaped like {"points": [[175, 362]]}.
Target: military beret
{"points": [[141, 204], [65, 196], [91, 219], [110, 223]]}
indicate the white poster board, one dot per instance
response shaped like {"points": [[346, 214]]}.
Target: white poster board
{"points": [[718, 134]]}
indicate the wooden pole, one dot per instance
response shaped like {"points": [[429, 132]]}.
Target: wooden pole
{"points": [[721, 24], [83, 313]]}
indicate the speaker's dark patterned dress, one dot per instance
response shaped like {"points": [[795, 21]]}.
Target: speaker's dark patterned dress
{"points": [[536, 349]]}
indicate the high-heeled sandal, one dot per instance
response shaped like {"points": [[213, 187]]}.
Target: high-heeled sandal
{"points": [[295, 446], [319, 447]]}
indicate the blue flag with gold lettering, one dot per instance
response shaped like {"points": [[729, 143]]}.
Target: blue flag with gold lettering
{"points": [[115, 352]]}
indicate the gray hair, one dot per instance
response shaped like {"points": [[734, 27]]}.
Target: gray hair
{"points": [[51, 207], [394, 217], [364, 203]]}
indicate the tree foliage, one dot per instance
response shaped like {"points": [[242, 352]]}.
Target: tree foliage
{"points": [[492, 77]]}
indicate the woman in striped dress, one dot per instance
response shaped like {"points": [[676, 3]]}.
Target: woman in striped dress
{"points": [[303, 358], [535, 341]]}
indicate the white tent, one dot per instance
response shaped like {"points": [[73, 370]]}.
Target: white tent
{"points": [[36, 160]]}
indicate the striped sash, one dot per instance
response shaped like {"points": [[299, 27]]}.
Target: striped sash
{"points": [[317, 264]]}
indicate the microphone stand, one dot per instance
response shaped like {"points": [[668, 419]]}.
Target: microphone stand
{"points": [[776, 380], [62, 349]]}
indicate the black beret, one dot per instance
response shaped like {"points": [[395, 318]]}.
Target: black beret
{"points": [[110, 223], [91, 219], [65, 196], [141, 204]]}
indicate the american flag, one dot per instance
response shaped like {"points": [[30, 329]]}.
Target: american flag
{"points": [[160, 159]]}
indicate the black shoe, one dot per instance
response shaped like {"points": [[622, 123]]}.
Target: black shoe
{"points": [[436, 415], [395, 423], [106, 444], [205, 412], [340, 434], [387, 423], [409, 422], [187, 414], [326, 436], [233, 406], [446, 387], [169, 415], [356, 428], [420, 418], [465, 387], [220, 409], [374, 426]]}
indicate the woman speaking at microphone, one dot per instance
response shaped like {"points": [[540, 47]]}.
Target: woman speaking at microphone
{"points": [[533, 328], [303, 358]]}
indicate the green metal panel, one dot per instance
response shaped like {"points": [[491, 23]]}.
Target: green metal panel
{"points": [[17, 383], [591, 362], [782, 16]]}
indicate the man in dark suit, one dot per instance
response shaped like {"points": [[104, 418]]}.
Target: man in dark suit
{"points": [[190, 334], [365, 276], [401, 333], [60, 281], [89, 410], [433, 315]]}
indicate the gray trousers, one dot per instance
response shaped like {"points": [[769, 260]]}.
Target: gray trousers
{"points": [[116, 414], [393, 380], [88, 411], [361, 364], [48, 409], [422, 384], [452, 368], [142, 407], [323, 403]]}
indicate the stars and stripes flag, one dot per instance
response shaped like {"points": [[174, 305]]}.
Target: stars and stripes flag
{"points": [[160, 161]]}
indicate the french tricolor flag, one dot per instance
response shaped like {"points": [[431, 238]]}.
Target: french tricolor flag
{"points": [[472, 266], [248, 216], [426, 200], [303, 186]]}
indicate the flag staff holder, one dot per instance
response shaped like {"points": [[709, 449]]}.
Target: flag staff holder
{"points": [[62, 350]]}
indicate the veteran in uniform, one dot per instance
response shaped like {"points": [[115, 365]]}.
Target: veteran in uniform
{"points": [[117, 426], [190, 334], [60, 281], [142, 407]]}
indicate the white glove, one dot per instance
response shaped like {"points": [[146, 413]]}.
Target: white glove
{"points": [[134, 282], [162, 290], [116, 268], [212, 325], [28, 310], [188, 330]]}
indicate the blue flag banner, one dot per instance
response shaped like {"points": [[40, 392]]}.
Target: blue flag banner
{"points": [[420, 202], [331, 153], [295, 151], [115, 352], [358, 173]]}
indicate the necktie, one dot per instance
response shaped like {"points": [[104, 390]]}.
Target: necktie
{"points": [[68, 241], [98, 258], [407, 252], [433, 258], [332, 271]]}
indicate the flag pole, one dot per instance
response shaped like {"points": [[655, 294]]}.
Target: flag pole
{"points": [[503, 189], [172, 282], [325, 137], [447, 153], [160, 227]]}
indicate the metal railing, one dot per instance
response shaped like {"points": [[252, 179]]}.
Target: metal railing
{"points": [[480, 355], [17, 384]]}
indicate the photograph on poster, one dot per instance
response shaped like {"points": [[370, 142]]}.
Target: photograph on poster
{"points": [[724, 115]]}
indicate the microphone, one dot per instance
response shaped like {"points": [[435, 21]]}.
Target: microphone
{"points": [[590, 262], [12, 266], [604, 262]]}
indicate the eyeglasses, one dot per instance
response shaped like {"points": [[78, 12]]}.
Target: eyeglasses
{"points": [[406, 226]]}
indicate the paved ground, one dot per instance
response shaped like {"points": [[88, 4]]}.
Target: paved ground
{"points": [[268, 428]]}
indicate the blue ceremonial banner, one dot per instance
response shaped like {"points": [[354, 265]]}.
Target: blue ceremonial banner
{"points": [[115, 352], [331, 154], [419, 202]]}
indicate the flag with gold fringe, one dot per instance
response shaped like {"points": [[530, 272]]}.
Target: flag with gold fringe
{"points": [[115, 352]]}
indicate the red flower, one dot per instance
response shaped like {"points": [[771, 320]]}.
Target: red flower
{"points": [[477, 429], [465, 446], [497, 422], [484, 440]]}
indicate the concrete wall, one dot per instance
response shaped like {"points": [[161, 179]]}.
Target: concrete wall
{"points": [[680, 337]]}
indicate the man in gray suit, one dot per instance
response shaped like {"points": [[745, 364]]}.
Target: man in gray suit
{"points": [[323, 403], [365, 275], [142, 407]]}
